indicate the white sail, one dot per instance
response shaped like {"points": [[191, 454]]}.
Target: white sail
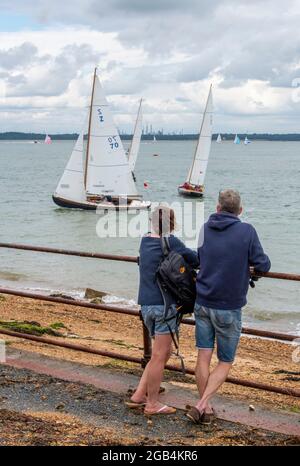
{"points": [[219, 139], [198, 169], [236, 140], [107, 169], [136, 139], [70, 185], [246, 141]]}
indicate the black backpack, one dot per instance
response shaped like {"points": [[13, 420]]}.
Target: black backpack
{"points": [[176, 279], [177, 282]]}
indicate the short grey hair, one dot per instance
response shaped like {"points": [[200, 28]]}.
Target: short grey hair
{"points": [[230, 201]]}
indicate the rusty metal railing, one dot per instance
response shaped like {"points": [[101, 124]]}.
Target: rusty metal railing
{"points": [[115, 257], [134, 312]]}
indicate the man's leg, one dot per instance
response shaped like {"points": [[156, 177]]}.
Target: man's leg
{"points": [[215, 380], [227, 324], [205, 338], [202, 371]]}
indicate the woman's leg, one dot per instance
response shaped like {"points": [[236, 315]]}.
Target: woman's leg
{"points": [[160, 354], [139, 395]]}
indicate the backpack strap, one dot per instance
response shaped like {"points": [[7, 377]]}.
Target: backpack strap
{"points": [[165, 245]]}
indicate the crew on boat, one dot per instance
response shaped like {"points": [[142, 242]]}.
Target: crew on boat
{"points": [[198, 188]]}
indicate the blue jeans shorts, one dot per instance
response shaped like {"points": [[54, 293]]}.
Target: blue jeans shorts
{"points": [[224, 326], [153, 318]]}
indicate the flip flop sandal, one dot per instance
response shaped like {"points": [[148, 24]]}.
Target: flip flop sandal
{"points": [[207, 418], [133, 405], [194, 415], [163, 410]]}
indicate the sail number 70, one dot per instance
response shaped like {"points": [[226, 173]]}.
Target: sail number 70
{"points": [[113, 142]]}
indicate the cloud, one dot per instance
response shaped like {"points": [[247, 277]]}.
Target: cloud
{"points": [[166, 50], [18, 57], [55, 74]]}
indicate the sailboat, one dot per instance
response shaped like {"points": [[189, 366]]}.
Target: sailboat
{"points": [[194, 183], [246, 141], [136, 141], [48, 140], [236, 140], [219, 139], [99, 176]]}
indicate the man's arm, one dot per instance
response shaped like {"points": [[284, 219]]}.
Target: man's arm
{"points": [[189, 255], [257, 257]]}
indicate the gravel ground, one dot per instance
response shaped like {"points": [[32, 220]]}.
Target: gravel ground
{"points": [[41, 410]]}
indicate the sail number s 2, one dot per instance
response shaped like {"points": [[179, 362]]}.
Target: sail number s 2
{"points": [[100, 115], [113, 142]]}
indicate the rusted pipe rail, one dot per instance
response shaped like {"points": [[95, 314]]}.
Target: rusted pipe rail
{"points": [[133, 312], [233, 380], [68, 252], [115, 257], [72, 302]]}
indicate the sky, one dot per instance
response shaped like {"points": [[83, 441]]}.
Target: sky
{"points": [[166, 51]]}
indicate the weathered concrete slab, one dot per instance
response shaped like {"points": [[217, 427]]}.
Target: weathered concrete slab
{"points": [[106, 379]]}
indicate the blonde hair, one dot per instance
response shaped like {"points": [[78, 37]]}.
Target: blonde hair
{"points": [[163, 220]]}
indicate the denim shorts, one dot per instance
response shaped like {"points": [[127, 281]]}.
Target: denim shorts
{"points": [[224, 326], [154, 319]]}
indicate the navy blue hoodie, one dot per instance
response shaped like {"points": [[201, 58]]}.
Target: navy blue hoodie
{"points": [[229, 248]]}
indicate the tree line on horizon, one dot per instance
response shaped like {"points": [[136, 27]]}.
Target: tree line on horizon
{"points": [[12, 136]]}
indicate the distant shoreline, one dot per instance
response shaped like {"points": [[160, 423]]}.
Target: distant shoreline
{"points": [[19, 136]]}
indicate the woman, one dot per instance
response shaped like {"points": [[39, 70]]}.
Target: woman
{"points": [[152, 308]]}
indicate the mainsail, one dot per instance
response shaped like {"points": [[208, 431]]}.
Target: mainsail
{"points": [[219, 139], [107, 170], [136, 139], [236, 140], [70, 185], [48, 140], [198, 169]]}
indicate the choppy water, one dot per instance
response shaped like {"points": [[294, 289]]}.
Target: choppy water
{"points": [[266, 173]]}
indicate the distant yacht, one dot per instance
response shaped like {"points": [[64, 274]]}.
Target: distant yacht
{"points": [[219, 139], [48, 140], [236, 140], [246, 141], [136, 141], [194, 184]]}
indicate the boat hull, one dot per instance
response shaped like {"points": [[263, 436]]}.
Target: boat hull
{"points": [[69, 204], [189, 192]]}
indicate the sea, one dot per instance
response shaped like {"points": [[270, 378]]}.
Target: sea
{"points": [[267, 174]]}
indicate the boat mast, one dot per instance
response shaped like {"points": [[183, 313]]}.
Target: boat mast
{"points": [[89, 130], [136, 122], [192, 167]]}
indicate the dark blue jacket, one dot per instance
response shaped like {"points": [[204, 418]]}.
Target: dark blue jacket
{"points": [[229, 248], [150, 257]]}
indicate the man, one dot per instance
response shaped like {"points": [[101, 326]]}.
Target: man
{"points": [[228, 249]]}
